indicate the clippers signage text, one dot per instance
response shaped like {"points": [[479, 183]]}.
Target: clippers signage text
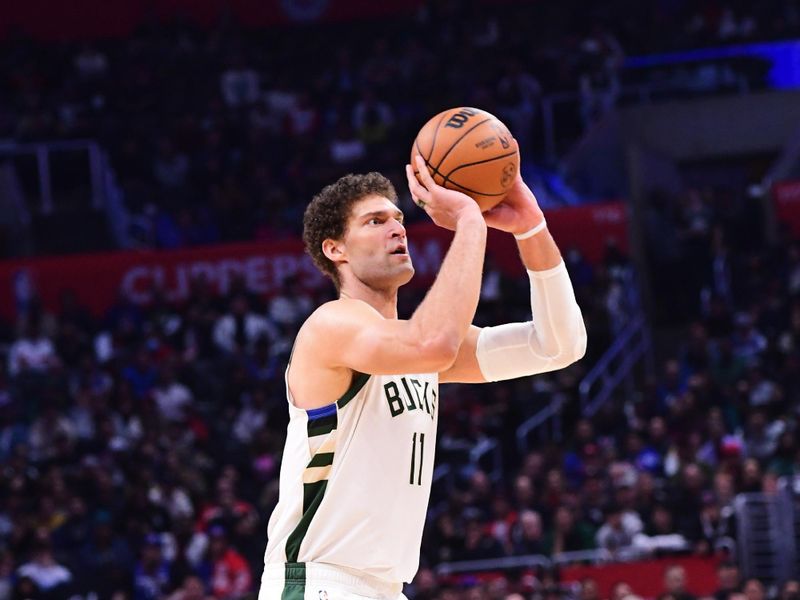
{"points": [[99, 279]]}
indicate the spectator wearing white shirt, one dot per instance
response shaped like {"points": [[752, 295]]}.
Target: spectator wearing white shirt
{"points": [[238, 330], [44, 571], [90, 63], [172, 497], [239, 84], [171, 396], [619, 528], [33, 352], [292, 305], [345, 147], [170, 167], [46, 432], [252, 417]]}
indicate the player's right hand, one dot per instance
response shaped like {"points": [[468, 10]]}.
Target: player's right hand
{"points": [[445, 207]]}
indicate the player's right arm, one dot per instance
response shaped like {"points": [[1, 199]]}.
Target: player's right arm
{"points": [[356, 336]]}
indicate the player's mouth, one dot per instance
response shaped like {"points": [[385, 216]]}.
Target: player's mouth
{"points": [[402, 250]]}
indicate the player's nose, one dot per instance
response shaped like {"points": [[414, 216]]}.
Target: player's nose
{"points": [[398, 229]]}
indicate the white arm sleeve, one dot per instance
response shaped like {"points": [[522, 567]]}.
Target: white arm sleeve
{"points": [[554, 339]]}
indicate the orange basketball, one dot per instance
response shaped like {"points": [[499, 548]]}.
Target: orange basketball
{"points": [[469, 150]]}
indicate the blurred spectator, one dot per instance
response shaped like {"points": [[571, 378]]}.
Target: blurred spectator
{"points": [[152, 572], [478, 543], [790, 590], [230, 577], [90, 62], [527, 536], [618, 530], [238, 330], [142, 373], [239, 84], [32, 352], [754, 590], [675, 583], [621, 591], [105, 552], [170, 167], [425, 585], [567, 534], [372, 118], [345, 147], [252, 417], [728, 580], [46, 574], [46, 433], [6, 574], [191, 589], [588, 590], [227, 510], [291, 305], [172, 397], [303, 118]]}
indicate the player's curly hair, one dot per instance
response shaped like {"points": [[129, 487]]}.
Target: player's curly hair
{"points": [[327, 213]]}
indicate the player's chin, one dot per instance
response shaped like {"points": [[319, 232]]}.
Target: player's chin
{"points": [[404, 272]]}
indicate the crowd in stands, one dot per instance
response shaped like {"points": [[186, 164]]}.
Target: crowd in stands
{"points": [[214, 135], [144, 444], [658, 470]]}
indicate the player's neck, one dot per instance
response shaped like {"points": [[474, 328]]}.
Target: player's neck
{"points": [[384, 301]]}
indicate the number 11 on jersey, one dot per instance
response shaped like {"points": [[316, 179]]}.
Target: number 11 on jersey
{"points": [[414, 458]]}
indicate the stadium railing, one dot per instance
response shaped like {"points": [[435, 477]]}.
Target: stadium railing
{"points": [[494, 564], [763, 521], [43, 153], [631, 346]]}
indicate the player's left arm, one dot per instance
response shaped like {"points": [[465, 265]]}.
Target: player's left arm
{"points": [[556, 337]]}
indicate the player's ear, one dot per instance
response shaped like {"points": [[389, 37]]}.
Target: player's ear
{"points": [[334, 250]]}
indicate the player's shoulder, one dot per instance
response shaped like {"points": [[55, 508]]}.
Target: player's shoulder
{"points": [[337, 315], [341, 308]]}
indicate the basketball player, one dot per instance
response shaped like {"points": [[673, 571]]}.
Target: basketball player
{"points": [[362, 384]]}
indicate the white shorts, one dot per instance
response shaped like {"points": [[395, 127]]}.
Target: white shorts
{"points": [[317, 581]]}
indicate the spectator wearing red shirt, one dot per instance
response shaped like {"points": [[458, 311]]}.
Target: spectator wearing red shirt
{"points": [[230, 575], [227, 510]]}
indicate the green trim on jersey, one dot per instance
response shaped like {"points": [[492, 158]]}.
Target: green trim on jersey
{"points": [[312, 498], [359, 381], [321, 459], [294, 584], [314, 492], [321, 426]]}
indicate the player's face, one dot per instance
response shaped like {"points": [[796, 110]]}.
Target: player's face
{"points": [[376, 244]]}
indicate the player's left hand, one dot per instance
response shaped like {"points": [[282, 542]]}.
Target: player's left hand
{"points": [[518, 212]]}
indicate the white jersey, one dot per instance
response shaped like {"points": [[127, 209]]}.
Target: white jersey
{"points": [[356, 476]]}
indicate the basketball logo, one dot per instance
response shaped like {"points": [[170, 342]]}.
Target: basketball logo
{"points": [[502, 135], [508, 174]]}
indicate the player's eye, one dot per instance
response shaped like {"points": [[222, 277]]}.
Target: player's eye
{"points": [[374, 221]]}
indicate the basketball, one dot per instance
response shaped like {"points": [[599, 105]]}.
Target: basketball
{"points": [[471, 151]]}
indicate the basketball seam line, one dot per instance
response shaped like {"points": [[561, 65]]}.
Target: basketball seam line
{"points": [[446, 180], [435, 170], [475, 191], [463, 135], [433, 143], [485, 160]]}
